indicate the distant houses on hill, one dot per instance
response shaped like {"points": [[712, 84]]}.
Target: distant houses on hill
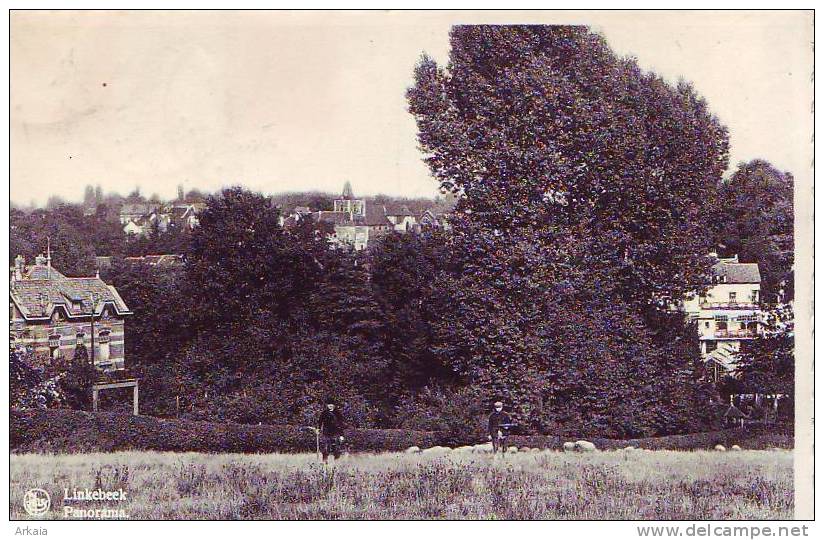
{"points": [[140, 218], [357, 221]]}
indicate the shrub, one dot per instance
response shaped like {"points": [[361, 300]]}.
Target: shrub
{"points": [[77, 380], [458, 414], [31, 386]]}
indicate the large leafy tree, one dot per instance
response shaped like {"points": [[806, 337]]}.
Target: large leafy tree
{"points": [[244, 267], [538, 126], [257, 291], [755, 221], [583, 186]]}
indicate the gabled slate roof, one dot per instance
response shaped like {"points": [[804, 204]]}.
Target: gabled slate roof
{"points": [[734, 412], [338, 218], [180, 212], [129, 209], [41, 271], [737, 272], [37, 297], [399, 211], [375, 215]]}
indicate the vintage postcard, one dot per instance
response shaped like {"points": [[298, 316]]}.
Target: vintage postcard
{"points": [[411, 265]]}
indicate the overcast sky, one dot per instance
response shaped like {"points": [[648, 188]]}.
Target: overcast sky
{"points": [[280, 101]]}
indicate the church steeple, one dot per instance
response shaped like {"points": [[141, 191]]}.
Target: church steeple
{"points": [[347, 194], [348, 203]]}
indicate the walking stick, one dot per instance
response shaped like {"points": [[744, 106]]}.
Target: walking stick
{"points": [[317, 441]]}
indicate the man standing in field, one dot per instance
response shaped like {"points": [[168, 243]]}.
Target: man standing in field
{"points": [[330, 427], [499, 423]]}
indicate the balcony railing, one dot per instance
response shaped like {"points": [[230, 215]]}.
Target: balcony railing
{"points": [[743, 333], [729, 305]]}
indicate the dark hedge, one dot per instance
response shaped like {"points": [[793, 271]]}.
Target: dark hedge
{"points": [[61, 430]]}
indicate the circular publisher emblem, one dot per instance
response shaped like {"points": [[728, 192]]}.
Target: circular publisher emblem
{"points": [[36, 502]]}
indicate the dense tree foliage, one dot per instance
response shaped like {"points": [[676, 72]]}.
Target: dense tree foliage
{"points": [[584, 185], [543, 126], [755, 221], [402, 270], [75, 381], [70, 235]]}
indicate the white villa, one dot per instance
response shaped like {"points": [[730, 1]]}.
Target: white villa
{"points": [[729, 313]]}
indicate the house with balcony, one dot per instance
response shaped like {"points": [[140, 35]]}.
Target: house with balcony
{"points": [[728, 314]]}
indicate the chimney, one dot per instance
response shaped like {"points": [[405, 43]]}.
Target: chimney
{"points": [[48, 257], [19, 267]]}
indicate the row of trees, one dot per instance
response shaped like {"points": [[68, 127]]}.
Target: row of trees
{"points": [[263, 323]]}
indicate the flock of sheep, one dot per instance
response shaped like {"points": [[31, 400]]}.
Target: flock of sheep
{"points": [[486, 448], [577, 446]]}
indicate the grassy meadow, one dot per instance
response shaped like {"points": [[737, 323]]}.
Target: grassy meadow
{"points": [[638, 484]]}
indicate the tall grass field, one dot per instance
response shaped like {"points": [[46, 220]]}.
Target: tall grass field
{"points": [[622, 484]]}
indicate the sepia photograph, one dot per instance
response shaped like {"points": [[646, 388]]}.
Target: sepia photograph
{"points": [[411, 265]]}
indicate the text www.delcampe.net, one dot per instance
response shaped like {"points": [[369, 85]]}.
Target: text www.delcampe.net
{"points": [[740, 531]]}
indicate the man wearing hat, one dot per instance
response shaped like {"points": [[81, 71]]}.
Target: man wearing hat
{"points": [[330, 427], [499, 423]]}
